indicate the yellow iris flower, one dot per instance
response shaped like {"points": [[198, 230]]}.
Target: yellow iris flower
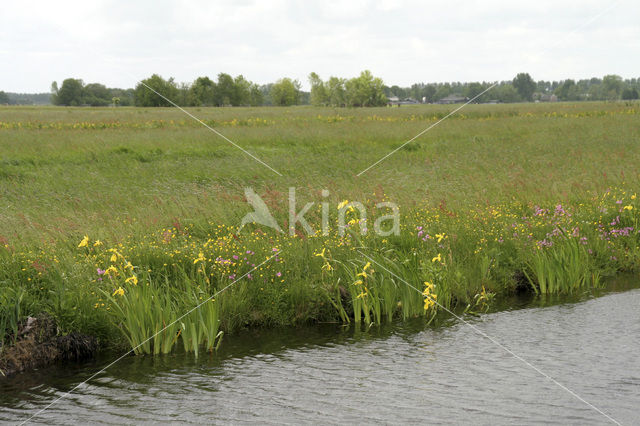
{"points": [[200, 258], [84, 242]]}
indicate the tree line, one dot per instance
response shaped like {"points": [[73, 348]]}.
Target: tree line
{"points": [[364, 90], [156, 91], [523, 88]]}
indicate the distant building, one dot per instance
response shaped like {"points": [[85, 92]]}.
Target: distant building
{"points": [[452, 99], [548, 98], [394, 100]]}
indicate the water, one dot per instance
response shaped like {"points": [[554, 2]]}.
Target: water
{"points": [[400, 373]]}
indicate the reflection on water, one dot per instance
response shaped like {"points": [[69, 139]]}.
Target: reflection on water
{"points": [[403, 372]]}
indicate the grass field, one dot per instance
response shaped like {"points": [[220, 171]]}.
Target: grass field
{"points": [[496, 199]]}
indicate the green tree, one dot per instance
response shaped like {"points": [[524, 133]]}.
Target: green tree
{"points": [[336, 91], [285, 92], [184, 97], [365, 90], [125, 96], [506, 93], [256, 97], [146, 97], [567, 91], [54, 93], [225, 90], [203, 91], [442, 91], [241, 91], [70, 93], [474, 89], [429, 92], [4, 98], [319, 92], [524, 85], [612, 85], [630, 93], [96, 94]]}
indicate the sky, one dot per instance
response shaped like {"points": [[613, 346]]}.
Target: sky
{"points": [[118, 43]]}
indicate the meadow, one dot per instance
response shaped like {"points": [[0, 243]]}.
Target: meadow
{"points": [[117, 221]]}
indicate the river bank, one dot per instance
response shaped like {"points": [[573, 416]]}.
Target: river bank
{"points": [[588, 343]]}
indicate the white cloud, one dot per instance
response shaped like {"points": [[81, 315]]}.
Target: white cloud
{"points": [[402, 41]]}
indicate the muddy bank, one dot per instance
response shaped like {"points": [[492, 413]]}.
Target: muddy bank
{"points": [[39, 344]]}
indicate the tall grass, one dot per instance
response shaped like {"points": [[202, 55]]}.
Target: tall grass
{"points": [[547, 191], [154, 318], [11, 300]]}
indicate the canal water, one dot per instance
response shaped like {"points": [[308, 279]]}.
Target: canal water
{"points": [[406, 372]]}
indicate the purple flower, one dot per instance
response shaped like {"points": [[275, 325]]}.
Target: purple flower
{"points": [[235, 256], [544, 243], [100, 271], [278, 274]]}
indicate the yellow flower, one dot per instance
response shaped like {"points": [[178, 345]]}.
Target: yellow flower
{"points": [[132, 279], [321, 254], [119, 292], [97, 243], [84, 242], [367, 266], [429, 299], [111, 269], [633, 197], [358, 282], [342, 204], [362, 274], [427, 288], [628, 207], [438, 258], [114, 257], [128, 266], [200, 258], [440, 237]]}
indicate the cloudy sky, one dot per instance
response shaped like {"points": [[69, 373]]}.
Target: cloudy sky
{"points": [[119, 42]]}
